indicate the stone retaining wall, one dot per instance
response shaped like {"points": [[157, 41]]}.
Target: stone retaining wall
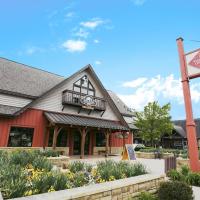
{"points": [[119, 189], [60, 161], [151, 155]]}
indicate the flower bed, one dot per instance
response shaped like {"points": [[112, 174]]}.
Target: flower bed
{"points": [[24, 173], [185, 175]]}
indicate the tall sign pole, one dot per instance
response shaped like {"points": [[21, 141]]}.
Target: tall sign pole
{"points": [[190, 124]]}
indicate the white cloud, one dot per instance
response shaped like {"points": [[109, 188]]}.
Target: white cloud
{"points": [[135, 83], [138, 2], [74, 45], [93, 23], [96, 41], [97, 62], [147, 90]]}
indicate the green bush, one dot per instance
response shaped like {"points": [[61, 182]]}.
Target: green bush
{"points": [[185, 175], [12, 181], [174, 175], [175, 190], [185, 170], [50, 153], [80, 180], [146, 196], [193, 179], [118, 170], [76, 166]]}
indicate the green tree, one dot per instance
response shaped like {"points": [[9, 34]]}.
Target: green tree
{"points": [[154, 122]]}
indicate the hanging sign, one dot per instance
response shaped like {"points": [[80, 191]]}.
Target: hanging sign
{"points": [[88, 102], [193, 63], [128, 152]]}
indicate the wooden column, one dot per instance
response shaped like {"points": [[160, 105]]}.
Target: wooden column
{"points": [[55, 135], [124, 139], [83, 134], [46, 135], [107, 133]]}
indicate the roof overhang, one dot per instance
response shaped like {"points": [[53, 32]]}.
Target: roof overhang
{"points": [[83, 121]]}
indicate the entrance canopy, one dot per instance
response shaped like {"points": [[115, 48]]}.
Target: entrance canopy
{"points": [[75, 120]]}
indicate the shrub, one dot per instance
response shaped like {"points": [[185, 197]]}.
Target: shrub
{"points": [[174, 175], [80, 179], [146, 196], [76, 166], [193, 179], [185, 170], [109, 168], [175, 190], [12, 181], [50, 153]]}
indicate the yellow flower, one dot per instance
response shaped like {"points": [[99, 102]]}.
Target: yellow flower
{"points": [[51, 189], [111, 178], [28, 193]]}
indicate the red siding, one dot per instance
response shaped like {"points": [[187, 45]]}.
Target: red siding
{"points": [[30, 118], [117, 142]]}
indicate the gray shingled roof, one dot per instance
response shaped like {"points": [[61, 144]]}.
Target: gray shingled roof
{"points": [[25, 80], [180, 131], [8, 110], [67, 119], [182, 123], [122, 107]]}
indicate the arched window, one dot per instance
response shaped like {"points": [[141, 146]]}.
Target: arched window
{"points": [[84, 86]]}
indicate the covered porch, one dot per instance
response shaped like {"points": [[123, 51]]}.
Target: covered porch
{"points": [[82, 133]]}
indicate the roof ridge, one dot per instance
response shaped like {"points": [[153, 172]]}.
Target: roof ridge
{"points": [[36, 68]]}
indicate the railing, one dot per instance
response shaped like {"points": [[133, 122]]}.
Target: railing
{"points": [[77, 99]]}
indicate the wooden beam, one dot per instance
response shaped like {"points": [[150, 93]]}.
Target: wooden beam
{"points": [[107, 133], [55, 135], [46, 135], [83, 132], [124, 139]]}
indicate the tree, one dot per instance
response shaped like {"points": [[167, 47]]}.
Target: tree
{"points": [[154, 122]]}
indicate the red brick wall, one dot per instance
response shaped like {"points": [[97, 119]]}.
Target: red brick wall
{"points": [[30, 118]]}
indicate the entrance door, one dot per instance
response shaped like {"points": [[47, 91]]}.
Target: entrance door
{"points": [[77, 143]]}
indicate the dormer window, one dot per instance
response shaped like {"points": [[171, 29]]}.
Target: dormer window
{"points": [[84, 86]]}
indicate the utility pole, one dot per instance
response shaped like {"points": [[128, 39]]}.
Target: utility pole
{"points": [[190, 124]]}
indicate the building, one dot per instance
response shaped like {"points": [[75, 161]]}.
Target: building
{"points": [[178, 139], [76, 115]]}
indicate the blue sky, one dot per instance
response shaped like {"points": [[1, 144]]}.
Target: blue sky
{"points": [[130, 43]]}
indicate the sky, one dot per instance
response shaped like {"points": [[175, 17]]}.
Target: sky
{"points": [[131, 44]]}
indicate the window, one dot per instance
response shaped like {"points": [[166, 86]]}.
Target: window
{"points": [[84, 86], [61, 139], [100, 140], [20, 137]]}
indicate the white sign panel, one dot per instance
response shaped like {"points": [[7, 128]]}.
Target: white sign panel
{"points": [[193, 63]]}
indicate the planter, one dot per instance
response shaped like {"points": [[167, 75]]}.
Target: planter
{"points": [[60, 161], [151, 155], [119, 189]]}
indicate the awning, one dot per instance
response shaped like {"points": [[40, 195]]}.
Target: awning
{"points": [[68, 119]]}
